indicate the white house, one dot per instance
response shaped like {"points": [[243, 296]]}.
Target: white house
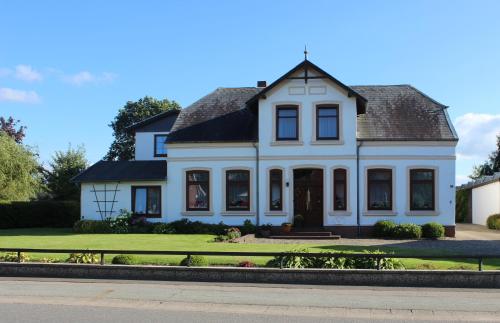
{"points": [[343, 157], [483, 198]]}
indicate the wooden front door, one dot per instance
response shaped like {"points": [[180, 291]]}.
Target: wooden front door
{"points": [[308, 196]]}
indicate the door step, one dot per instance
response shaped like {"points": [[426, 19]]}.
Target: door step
{"points": [[310, 233], [306, 237]]}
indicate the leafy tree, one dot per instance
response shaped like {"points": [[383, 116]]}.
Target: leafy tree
{"points": [[20, 178], [64, 166], [122, 147], [490, 166], [9, 127]]}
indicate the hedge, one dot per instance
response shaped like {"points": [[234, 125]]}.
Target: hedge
{"points": [[53, 214]]}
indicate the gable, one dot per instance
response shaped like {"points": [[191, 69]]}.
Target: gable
{"points": [[161, 122]]}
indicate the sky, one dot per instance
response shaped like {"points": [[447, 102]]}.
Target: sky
{"points": [[66, 67]]}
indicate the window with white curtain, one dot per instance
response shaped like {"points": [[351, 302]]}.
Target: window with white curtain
{"points": [[327, 122], [287, 123]]}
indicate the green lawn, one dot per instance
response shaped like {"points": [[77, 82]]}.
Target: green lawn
{"points": [[64, 238]]}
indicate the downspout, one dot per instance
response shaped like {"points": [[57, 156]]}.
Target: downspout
{"points": [[257, 179], [358, 144]]}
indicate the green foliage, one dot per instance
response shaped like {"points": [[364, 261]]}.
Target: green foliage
{"points": [[493, 222], [121, 224], [490, 166], [83, 258], [186, 226], [432, 230], [92, 226], [233, 233], [12, 257], [246, 264], [8, 126], [408, 231], [461, 205], [248, 227], [384, 229], [54, 214], [64, 166], [122, 147], [163, 228], [292, 261], [123, 260], [20, 178], [196, 261]]}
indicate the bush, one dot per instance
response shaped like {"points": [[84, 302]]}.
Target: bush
{"points": [[493, 222], [290, 261], [163, 228], [196, 261], [92, 226], [12, 257], [248, 228], [186, 226], [408, 231], [123, 260], [48, 214], [384, 229], [233, 233], [432, 230], [246, 264], [83, 258]]}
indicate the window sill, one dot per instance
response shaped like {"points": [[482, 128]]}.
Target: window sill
{"points": [[380, 213], [340, 213], [238, 213], [287, 143], [327, 142], [197, 213], [275, 213], [422, 213]]}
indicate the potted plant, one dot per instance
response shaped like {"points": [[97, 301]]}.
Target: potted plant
{"points": [[286, 227], [265, 230], [298, 220]]}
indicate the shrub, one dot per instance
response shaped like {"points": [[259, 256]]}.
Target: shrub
{"points": [[83, 258], [246, 263], [432, 230], [163, 228], [408, 231], [248, 227], [196, 261], [123, 260], [384, 229], [186, 226], [92, 226], [493, 222], [233, 233], [292, 261], [371, 263], [12, 257], [122, 222], [221, 238], [52, 214]]}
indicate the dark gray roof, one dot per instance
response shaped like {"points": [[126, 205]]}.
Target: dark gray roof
{"points": [[162, 122], [481, 181], [136, 170], [401, 112], [222, 115]]}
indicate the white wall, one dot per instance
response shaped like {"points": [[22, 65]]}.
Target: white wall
{"points": [[485, 202], [145, 145]]}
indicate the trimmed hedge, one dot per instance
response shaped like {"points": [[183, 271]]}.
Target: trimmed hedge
{"points": [[493, 222], [36, 214], [384, 229], [407, 231], [123, 260], [432, 230], [196, 261]]}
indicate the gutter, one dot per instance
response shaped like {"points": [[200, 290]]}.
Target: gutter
{"points": [[358, 144], [257, 184]]}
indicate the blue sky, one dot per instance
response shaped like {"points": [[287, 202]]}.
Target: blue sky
{"points": [[67, 67]]}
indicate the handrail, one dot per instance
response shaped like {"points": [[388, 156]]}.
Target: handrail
{"points": [[190, 253]]}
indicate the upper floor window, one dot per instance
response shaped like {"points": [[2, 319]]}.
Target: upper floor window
{"points": [[238, 190], [340, 189], [287, 122], [276, 190], [422, 189], [380, 189], [197, 190], [160, 145], [146, 200], [327, 122]]}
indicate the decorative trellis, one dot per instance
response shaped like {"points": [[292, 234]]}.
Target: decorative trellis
{"points": [[105, 206]]}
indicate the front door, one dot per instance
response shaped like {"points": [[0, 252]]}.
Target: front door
{"points": [[308, 196]]}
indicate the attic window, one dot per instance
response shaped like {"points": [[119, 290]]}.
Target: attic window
{"points": [[160, 145], [287, 123]]}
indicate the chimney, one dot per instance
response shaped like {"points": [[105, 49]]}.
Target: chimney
{"points": [[261, 83]]}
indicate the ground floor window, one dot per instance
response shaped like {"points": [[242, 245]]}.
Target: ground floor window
{"points": [[238, 190], [197, 190], [276, 190], [422, 189], [340, 189], [146, 200], [379, 189]]}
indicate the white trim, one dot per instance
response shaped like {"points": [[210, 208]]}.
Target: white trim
{"points": [[393, 210], [209, 145], [210, 187], [250, 194], [434, 212], [407, 157], [307, 157], [210, 158], [275, 142], [340, 130], [268, 192], [367, 143]]}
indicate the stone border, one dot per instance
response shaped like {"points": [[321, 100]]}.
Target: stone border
{"points": [[401, 278]]}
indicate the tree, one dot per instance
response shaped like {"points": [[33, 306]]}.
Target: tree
{"points": [[490, 166], [122, 147], [64, 166], [9, 127], [20, 178]]}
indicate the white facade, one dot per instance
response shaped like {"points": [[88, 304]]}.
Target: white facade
{"points": [[485, 202]]}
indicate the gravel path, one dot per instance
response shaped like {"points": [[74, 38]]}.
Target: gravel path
{"points": [[470, 239]]}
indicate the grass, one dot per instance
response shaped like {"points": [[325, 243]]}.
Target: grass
{"points": [[65, 238]]}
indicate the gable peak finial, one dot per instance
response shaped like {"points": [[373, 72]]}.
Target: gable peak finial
{"points": [[305, 52]]}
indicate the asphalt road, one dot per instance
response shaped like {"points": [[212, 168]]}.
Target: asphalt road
{"points": [[50, 300]]}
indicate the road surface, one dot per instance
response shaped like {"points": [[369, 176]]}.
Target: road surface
{"points": [[51, 300]]}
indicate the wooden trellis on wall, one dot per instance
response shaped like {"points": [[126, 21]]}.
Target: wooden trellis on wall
{"points": [[105, 207]]}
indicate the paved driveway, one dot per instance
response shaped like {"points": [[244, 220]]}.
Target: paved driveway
{"points": [[475, 232]]}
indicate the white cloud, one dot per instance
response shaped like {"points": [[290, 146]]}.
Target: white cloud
{"points": [[86, 77], [477, 133], [27, 73], [13, 95]]}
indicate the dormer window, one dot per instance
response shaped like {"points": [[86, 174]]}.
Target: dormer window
{"points": [[287, 122], [160, 145], [327, 122]]}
